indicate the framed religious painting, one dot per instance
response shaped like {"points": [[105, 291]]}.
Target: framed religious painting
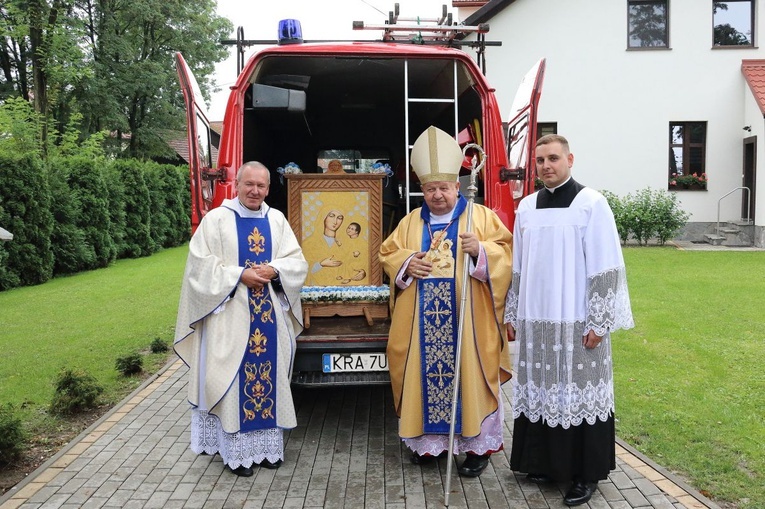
{"points": [[337, 218]]}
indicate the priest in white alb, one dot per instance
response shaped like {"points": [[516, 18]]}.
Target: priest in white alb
{"points": [[238, 317], [569, 293]]}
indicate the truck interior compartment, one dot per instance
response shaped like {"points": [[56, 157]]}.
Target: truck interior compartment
{"points": [[305, 108]]}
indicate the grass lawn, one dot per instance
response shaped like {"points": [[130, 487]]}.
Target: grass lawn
{"points": [[690, 386], [86, 322]]}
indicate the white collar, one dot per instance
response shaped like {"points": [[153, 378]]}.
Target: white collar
{"points": [[245, 212], [552, 189]]}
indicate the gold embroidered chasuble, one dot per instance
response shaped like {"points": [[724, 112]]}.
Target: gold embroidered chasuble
{"points": [[485, 362]]}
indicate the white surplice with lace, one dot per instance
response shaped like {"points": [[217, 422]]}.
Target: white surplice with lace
{"points": [[568, 278]]}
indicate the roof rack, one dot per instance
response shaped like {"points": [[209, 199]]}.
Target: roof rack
{"points": [[441, 30]]}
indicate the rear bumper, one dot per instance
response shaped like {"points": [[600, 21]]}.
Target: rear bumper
{"points": [[319, 379]]}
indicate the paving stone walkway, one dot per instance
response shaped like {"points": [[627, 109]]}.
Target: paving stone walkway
{"points": [[345, 453]]}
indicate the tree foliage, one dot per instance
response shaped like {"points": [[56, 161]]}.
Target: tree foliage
{"points": [[79, 210], [110, 61]]}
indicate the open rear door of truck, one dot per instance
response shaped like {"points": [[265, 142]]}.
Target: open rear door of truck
{"points": [[522, 131], [199, 141]]}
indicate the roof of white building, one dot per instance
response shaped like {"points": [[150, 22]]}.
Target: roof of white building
{"points": [[754, 73]]}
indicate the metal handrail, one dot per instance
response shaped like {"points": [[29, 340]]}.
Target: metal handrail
{"points": [[748, 204]]}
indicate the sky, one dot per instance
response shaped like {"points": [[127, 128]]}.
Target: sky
{"points": [[328, 19]]}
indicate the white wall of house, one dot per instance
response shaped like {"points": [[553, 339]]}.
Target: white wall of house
{"points": [[615, 105]]}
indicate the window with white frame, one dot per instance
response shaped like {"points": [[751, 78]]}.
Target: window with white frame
{"points": [[733, 23], [648, 23]]}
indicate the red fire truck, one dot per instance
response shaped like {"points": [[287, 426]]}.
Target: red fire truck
{"points": [[363, 104]]}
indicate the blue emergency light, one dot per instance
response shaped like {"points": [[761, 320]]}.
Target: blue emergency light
{"points": [[290, 31]]}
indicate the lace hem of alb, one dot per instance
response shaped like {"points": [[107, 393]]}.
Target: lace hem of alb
{"points": [[563, 405], [235, 449]]}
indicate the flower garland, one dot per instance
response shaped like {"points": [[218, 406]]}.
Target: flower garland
{"points": [[288, 169], [382, 168], [345, 294]]}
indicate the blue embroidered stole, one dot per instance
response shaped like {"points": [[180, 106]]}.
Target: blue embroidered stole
{"points": [[439, 322], [257, 373]]}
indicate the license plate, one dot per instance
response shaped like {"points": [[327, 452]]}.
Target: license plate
{"points": [[350, 362]]}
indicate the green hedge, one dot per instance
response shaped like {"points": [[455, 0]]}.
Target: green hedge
{"points": [[26, 213], [80, 213]]}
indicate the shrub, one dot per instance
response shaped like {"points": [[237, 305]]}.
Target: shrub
{"points": [[26, 200], [137, 232], [158, 346], [644, 224], [620, 211], [75, 391], [129, 364], [647, 214], [88, 195], [71, 251], [170, 224], [12, 435], [670, 217]]}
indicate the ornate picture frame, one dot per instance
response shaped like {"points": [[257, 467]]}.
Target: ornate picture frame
{"points": [[337, 219]]}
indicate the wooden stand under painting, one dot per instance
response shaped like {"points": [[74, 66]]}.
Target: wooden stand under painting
{"points": [[337, 218]]}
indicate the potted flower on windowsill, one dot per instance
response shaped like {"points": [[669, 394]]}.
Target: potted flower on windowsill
{"points": [[693, 181]]}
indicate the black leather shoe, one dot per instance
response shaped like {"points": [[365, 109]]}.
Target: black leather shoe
{"points": [[421, 459], [267, 464], [242, 471], [539, 478], [580, 493], [473, 465]]}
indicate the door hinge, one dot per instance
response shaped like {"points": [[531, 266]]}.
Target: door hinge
{"points": [[210, 174], [507, 174]]}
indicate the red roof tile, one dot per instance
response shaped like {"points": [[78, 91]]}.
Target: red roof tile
{"points": [[179, 143], [754, 73]]}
